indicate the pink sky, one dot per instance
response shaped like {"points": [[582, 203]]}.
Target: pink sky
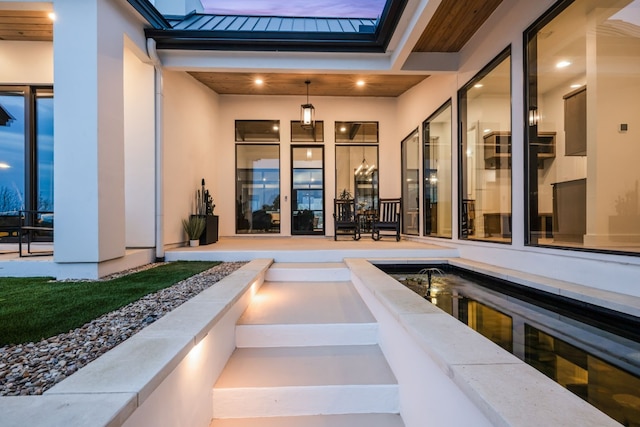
{"points": [[324, 8]]}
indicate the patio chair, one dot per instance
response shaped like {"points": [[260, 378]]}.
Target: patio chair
{"points": [[388, 219], [36, 226], [345, 218]]}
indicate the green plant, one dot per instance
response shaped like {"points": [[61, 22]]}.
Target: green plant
{"points": [[193, 226], [345, 194]]}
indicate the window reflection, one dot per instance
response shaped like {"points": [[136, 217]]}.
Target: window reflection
{"points": [[307, 193], [12, 152], [411, 183], [437, 173], [257, 130], [485, 114], [350, 132], [357, 175], [584, 95], [257, 189]]}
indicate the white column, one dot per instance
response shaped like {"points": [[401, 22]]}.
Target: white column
{"points": [[89, 132]]}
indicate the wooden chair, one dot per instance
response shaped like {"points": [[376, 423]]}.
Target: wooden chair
{"points": [[345, 218], [387, 219]]}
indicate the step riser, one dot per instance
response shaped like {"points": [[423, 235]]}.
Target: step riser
{"points": [[347, 420], [295, 401], [308, 274], [306, 335]]}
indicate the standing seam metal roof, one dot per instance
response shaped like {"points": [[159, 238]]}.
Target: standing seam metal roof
{"points": [[246, 23]]}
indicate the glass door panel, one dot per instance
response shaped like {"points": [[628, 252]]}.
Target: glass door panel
{"points": [[411, 184], [307, 192], [437, 173], [257, 188], [12, 151]]}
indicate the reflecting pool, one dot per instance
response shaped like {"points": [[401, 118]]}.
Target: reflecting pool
{"points": [[590, 351]]}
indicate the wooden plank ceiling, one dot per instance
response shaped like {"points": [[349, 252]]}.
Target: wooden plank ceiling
{"points": [[453, 24], [321, 84], [26, 25]]}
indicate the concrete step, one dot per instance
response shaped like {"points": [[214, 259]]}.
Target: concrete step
{"points": [[288, 303], [306, 335], [303, 271], [347, 420], [295, 381]]}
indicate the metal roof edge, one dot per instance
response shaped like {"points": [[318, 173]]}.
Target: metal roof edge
{"points": [[150, 13]]}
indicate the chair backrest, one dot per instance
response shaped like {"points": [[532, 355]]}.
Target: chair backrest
{"points": [[344, 210], [390, 210]]}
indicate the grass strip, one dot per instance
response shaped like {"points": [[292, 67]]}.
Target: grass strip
{"points": [[36, 307]]}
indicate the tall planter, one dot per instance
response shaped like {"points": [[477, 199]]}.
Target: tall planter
{"points": [[210, 233]]}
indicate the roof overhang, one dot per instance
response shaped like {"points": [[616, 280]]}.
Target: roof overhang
{"points": [[168, 37]]}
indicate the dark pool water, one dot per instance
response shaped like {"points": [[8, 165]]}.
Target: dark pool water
{"points": [[590, 351]]}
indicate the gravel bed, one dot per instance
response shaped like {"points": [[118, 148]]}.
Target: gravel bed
{"points": [[32, 368]]}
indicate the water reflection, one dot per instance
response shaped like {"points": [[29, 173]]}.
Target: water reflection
{"points": [[599, 366]]}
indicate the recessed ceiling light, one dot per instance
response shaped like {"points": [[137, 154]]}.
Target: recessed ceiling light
{"points": [[275, 127], [360, 83], [563, 64], [487, 130], [478, 85], [343, 129], [259, 82], [52, 16], [576, 86]]}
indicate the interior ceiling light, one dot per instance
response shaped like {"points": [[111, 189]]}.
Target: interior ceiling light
{"points": [[478, 85], [364, 169], [360, 83], [563, 64], [259, 81], [307, 112]]}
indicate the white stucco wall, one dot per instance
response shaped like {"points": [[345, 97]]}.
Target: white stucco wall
{"points": [[191, 121], [26, 62], [139, 149]]}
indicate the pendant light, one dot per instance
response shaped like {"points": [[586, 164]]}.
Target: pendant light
{"points": [[307, 112]]}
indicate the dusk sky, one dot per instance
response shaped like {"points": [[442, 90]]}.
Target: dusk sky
{"points": [[323, 8]]}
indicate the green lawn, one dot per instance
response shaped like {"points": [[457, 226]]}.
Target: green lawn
{"points": [[35, 308]]}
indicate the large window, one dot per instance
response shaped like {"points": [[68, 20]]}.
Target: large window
{"points": [[485, 153], [357, 167], [26, 149], [583, 80], [257, 188], [357, 175], [436, 131], [411, 183]]}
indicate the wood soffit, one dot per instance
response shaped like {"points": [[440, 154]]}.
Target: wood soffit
{"points": [[452, 25]]}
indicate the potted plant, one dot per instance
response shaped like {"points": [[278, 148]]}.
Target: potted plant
{"points": [[204, 207], [193, 226]]}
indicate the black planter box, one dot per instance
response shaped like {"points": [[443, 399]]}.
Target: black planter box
{"points": [[210, 233]]}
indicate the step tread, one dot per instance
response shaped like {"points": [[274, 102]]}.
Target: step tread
{"points": [[345, 420], [306, 303], [306, 366], [308, 265]]}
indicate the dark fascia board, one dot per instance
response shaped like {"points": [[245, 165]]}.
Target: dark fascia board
{"points": [[167, 38], [264, 41], [389, 21], [150, 13]]}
